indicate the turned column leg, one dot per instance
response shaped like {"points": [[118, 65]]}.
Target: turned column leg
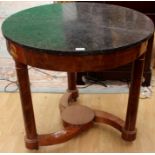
{"points": [[129, 131], [72, 85], [31, 138]]}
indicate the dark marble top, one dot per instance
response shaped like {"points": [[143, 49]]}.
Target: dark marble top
{"points": [[78, 28]]}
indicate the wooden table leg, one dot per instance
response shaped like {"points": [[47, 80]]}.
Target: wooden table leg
{"points": [[147, 67], [129, 130], [31, 139], [72, 85]]}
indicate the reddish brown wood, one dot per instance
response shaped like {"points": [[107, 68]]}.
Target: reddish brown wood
{"points": [[107, 118], [72, 85], [148, 54], [31, 138], [65, 101], [72, 63], [129, 130], [77, 115], [100, 116], [147, 66], [75, 63], [71, 80], [63, 135]]}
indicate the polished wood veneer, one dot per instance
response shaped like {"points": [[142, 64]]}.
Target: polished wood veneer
{"points": [[76, 118], [33, 140]]}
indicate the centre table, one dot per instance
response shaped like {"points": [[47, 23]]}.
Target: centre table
{"points": [[77, 37]]}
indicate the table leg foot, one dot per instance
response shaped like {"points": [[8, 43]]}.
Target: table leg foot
{"points": [[32, 144], [129, 135]]}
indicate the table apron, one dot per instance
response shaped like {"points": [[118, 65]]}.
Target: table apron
{"points": [[74, 63]]}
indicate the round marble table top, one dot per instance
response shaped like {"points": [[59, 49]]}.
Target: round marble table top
{"points": [[78, 28]]}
